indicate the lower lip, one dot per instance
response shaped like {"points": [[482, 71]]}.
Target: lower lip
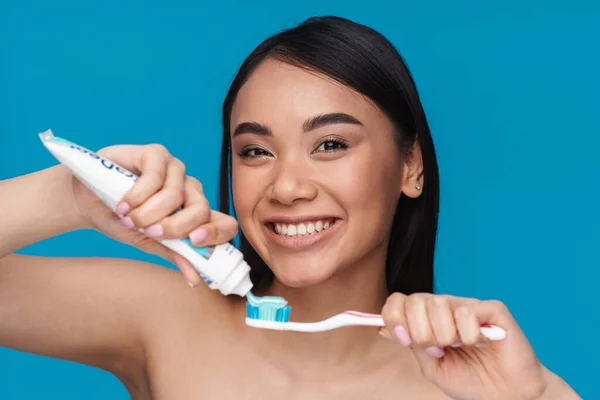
{"points": [[301, 242]]}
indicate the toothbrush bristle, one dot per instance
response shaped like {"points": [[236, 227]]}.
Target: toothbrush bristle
{"points": [[267, 312], [284, 314]]}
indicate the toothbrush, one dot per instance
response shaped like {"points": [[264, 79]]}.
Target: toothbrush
{"points": [[261, 314]]}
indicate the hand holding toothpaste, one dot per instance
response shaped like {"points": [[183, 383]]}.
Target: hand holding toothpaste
{"points": [[162, 188]]}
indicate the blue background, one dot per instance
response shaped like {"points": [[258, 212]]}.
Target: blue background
{"points": [[511, 91]]}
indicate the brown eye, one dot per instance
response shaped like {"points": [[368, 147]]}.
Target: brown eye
{"points": [[253, 152], [331, 145]]}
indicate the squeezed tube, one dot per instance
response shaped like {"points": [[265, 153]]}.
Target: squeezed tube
{"points": [[221, 267]]}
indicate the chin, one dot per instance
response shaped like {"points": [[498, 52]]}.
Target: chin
{"points": [[300, 275]]}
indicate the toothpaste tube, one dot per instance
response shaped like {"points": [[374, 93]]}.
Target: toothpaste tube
{"points": [[221, 267]]}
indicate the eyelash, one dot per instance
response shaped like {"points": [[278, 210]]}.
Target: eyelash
{"points": [[339, 142], [342, 145], [244, 152]]}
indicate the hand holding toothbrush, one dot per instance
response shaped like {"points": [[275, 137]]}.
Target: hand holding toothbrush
{"points": [[445, 336], [470, 349]]}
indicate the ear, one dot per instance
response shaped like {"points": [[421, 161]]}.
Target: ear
{"points": [[412, 173]]}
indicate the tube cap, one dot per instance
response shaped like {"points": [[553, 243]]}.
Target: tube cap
{"points": [[238, 281], [243, 287]]}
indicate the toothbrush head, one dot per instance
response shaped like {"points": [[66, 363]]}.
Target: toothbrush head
{"points": [[267, 308]]}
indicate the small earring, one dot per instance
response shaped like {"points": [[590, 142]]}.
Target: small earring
{"points": [[418, 186]]}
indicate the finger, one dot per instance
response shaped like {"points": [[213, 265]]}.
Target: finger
{"points": [[191, 276], [467, 325], [184, 221], [195, 187], [195, 212], [179, 224], [222, 228], [152, 163], [162, 203], [441, 320], [394, 315], [175, 178], [418, 320], [456, 301], [492, 312]]}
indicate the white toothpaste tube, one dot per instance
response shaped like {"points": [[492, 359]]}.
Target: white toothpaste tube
{"points": [[221, 267]]}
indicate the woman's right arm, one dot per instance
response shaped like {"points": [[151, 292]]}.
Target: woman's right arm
{"points": [[96, 311], [35, 207], [72, 309], [92, 311]]}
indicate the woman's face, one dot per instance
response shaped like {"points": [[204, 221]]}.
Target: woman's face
{"points": [[316, 173]]}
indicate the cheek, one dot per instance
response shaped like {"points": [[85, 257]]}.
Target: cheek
{"points": [[368, 190], [245, 191], [367, 187]]}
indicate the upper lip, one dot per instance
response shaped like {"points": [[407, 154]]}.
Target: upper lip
{"points": [[295, 219]]}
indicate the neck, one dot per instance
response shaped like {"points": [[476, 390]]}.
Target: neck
{"points": [[360, 287]]}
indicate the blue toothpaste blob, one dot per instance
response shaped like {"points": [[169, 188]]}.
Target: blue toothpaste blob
{"points": [[268, 308]]}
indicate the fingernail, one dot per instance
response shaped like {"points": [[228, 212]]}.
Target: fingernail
{"points": [[402, 335], [198, 236], [154, 231], [190, 284], [122, 208], [435, 352], [457, 344], [479, 344], [127, 222], [384, 333]]}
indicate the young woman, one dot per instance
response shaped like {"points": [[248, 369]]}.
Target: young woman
{"points": [[334, 182]]}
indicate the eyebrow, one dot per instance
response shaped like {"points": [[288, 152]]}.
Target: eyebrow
{"points": [[251, 127], [311, 124]]}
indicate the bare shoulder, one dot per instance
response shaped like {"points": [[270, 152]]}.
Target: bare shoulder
{"points": [[165, 300], [103, 312]]}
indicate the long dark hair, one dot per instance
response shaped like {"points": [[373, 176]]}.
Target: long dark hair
{"points": [[364, 60]]}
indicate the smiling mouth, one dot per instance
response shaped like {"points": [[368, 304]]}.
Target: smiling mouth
{"points": [[304, 228], [301, 235]]}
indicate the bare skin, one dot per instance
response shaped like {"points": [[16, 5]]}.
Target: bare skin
{"points": [[165, 340], [161, 342]]}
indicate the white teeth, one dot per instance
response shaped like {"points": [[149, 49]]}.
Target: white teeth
{"points": [[291, 230], [318, 226], [301, 229]]}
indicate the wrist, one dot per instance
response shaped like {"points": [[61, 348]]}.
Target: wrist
{"points": [[48, 203], [557, 388], [64, 201], [35, 207]]}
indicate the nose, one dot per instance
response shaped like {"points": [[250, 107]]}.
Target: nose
{"points": [[291, 183]]}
